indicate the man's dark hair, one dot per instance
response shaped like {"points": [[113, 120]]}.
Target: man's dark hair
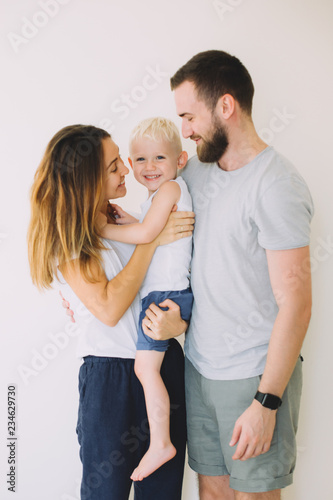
{"points": [[215, 73]]}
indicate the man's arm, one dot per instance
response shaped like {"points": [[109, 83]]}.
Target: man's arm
{"points": [[291, 285], [153, 223]]}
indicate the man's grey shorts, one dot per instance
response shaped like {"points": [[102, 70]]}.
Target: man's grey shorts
{"points": [[213, 406]]}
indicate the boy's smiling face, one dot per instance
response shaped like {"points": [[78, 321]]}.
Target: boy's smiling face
{"points": [[153, 162]]}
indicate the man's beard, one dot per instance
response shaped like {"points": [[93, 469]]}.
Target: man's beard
{"points": [[212, 149]]}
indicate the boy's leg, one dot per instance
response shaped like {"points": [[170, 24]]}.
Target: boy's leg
{"points": [[166, 482], [161, 450]]}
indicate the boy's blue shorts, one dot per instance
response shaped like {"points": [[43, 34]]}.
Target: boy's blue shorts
{"points": [[184, 298]]}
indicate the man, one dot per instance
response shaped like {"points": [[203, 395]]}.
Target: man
{"points": [[252, 288]]}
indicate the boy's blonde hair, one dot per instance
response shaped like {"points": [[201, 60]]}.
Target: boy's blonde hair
{"points": [[157, 129]]}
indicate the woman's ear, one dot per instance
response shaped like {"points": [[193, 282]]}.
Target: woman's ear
{"points": [[182, 160], [130, 162]]}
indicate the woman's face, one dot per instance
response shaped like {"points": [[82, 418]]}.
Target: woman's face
{"points": [[115, 171]]}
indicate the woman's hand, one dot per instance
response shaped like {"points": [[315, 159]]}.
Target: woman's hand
{"points": [[179, 225], [163, 325], [66, 305]]}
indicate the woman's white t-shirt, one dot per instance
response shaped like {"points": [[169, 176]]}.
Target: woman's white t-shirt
{"points": [[94, 337]]}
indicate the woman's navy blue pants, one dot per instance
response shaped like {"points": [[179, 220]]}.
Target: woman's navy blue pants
{"points": [[113, 430]]}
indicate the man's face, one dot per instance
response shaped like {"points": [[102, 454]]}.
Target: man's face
{"points": [[200, 124]]}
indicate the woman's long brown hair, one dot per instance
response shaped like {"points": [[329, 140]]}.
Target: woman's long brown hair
{"points": [[66, 197]]}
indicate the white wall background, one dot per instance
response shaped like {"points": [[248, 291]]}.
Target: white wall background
{"points": [[75, 67]]}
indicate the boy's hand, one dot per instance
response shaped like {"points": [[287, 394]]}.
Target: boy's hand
{"points": [[120, 215]]}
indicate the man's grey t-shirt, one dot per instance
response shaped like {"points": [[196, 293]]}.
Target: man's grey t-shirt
{"points": [[264, 205]]}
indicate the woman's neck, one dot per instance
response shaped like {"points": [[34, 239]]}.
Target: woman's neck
{"points": [[108, 213], [104, 208]]}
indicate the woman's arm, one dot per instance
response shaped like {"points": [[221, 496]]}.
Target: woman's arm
{"points": [[153, 223], [108, 300]]}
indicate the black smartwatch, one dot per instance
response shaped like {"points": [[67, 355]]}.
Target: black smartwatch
{"points": [[268, 400]]}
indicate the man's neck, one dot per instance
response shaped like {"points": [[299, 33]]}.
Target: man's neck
{"points": [[244, 146]]}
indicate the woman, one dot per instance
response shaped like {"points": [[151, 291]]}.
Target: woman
{"points": [[79, 173]]}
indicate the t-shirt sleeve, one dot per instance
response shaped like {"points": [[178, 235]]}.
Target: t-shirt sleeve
{"points": [[283, 215]]}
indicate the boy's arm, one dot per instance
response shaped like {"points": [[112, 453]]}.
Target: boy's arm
{"points": [[153, 223]]}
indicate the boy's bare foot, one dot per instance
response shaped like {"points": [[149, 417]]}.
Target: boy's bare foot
{"points": [[152, 460]]}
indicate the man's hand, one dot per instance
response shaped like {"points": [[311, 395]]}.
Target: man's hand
{"points": [[163, 325], [253, 431]]}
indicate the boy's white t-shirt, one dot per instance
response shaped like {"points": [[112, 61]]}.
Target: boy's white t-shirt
{"points": [[170, 266]]}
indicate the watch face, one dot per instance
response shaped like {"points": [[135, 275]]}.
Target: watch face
{"points": [[269, 400]]}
